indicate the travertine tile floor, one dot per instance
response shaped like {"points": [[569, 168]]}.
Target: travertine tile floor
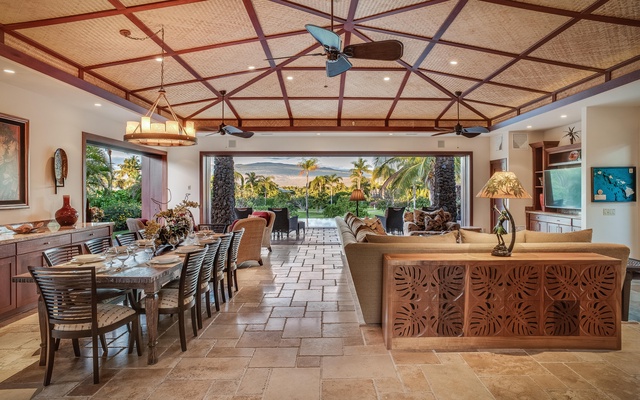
{"points": [[292, 332]]}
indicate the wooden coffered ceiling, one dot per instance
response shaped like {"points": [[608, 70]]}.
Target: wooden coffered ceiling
{"points": [[512, 56]]}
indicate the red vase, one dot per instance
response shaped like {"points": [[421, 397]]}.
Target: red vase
{"points": [[542, 201], [67, 215]]}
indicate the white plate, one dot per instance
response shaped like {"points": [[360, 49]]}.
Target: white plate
{"points": [[87, 258], [168, 259], [187, 249]]}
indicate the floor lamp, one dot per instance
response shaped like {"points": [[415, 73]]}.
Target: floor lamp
{"points": [[357, 195], [504, 185]]}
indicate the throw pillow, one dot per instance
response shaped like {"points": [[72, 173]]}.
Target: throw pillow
{"points": [[412, 227], [433, 223], [479, 237], [261, 214], [418, 218], [362, 232], [544, 237], [376, 225], [408, 216]]}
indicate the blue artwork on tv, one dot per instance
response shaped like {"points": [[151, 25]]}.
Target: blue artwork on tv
{"points": [[613, 184], [563, 188]]}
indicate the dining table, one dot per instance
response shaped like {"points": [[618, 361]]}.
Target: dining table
{"points": [[138, 273]]}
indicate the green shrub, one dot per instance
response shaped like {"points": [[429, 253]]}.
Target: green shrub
{"points": [[118, 213]]}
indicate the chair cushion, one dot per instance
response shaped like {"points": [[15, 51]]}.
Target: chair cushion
{"points": [[230, 229], [168, 298], [261, 214], [107, 314]]}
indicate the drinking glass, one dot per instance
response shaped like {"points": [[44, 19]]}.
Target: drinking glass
{"points": [[123, 254], [173, 240], [133, 250], [150, 249], [110, 254], [192, 238]]}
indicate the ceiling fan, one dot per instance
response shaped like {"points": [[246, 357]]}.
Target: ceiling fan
{"points": [[470, 132], [224, 129], [337, 61]]}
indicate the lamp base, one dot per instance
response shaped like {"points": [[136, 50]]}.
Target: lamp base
{"points": [[500, 251]]}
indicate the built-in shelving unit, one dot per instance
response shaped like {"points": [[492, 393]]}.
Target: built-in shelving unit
{"points": [[548, 155]]}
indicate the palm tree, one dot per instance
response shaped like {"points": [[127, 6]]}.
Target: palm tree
{"points": [[360, 167], [332, 180], [318, 184], [267, 185], [307, 165], [252, 181], [98, 170]]}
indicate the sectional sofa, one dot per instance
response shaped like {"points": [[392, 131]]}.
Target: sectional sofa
{"points": [[364, 249]]}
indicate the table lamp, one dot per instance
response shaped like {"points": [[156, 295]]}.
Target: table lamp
{"points": [[503, 185], [357, 195]]}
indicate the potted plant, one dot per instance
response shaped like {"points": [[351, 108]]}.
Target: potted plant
{"points": [[572, 134]]}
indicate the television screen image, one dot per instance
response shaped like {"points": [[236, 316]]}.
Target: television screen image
{"points": [[563, 188]]}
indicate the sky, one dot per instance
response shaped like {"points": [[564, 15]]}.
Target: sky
{"points": [[343, 163]]}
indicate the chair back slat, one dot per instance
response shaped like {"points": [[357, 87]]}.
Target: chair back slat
{"points": [[62, 254], [217, 228], [98, 245], [190, 273], [222, 254], [123, 239], [69, 294], [209, 260], [233, 248]]}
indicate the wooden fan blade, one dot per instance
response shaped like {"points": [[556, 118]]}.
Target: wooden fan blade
{"points": [[443, 133], [232, 130], [469, 134], [388, 50]]}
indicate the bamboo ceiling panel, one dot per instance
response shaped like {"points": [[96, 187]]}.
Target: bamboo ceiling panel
{"points": [[372, 83], [418, 109], [33, 10], [317, 109], [470, 63], [512, 29], [540, 76], [145, 74], [607, 46], [212, 44]]}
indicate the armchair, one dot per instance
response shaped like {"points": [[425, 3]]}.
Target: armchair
{"points": [[283, 222], [394, 219], [251, 243], [243, 212], [270, 217]]}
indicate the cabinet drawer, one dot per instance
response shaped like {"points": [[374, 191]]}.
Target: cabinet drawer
{"points": [[80, 237], [554, 219], [42, 244], [7, 250]]}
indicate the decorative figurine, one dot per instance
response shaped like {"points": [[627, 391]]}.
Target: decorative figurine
{"points": [[500, 249]]}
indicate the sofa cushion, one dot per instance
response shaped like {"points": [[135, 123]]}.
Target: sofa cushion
{"points": [[363, 231], [479, 237], [544, 237], [449, 237], [408, 216], [376, 225], [355, 224], [348, 217], [418, 218]]}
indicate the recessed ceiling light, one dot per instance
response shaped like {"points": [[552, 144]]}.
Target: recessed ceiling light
{"points": [[453, 62], [318, 134], [528, 126], [251, 67], [9, 71], [563, 116], [289, 78], [159, 59], [386, 78], [98, 105], [390, 134]]}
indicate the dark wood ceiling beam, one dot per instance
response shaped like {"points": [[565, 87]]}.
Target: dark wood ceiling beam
{"points": [[98, 14], [536, 45], [405, 79], [308, 10], [312, 98], [567, 13], [441, 30]]}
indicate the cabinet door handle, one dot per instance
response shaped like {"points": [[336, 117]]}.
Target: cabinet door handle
{"points": [[46, 243], [91, 234]]}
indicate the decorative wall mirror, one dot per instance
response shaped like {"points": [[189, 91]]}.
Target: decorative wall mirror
{"points": [[60, 168]]}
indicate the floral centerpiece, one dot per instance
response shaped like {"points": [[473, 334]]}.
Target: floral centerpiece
{"points": [[172, 222]]}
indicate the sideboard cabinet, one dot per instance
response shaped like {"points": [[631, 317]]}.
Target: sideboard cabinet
{"points": [[18, 252]]}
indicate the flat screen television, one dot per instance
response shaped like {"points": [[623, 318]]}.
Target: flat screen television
{"points": [[563, 188]]}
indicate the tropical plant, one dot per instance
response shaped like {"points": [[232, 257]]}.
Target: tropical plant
{"points": [[307, 165], [572, 134], [360, 167], [332, 180], [267, 185]]}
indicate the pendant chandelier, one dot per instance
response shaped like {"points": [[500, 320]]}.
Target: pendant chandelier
{"points": [[168, 134]]}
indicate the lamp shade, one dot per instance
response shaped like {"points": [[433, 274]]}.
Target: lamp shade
{"points": [[357, 195], [503, 185]]}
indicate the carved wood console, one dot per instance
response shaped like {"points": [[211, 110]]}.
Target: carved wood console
{"points": [[470, 301]]}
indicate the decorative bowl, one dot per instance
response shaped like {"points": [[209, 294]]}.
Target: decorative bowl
{"points": [[25, 228]]}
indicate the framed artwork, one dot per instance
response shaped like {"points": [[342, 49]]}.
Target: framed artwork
{"points": [[14, 161], [613, 184]]}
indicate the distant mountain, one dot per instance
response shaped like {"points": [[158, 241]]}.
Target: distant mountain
{"points": [[289, 174]]}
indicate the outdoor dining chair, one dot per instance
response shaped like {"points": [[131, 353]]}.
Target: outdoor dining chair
{"points": [[73, 312]]}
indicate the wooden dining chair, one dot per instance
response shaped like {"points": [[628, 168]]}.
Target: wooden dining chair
{"points": [[204, 286], [232, 259], [126, 238], [98, 245], [177, 301], [62, 254], [217, 276], [73, 312]]}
